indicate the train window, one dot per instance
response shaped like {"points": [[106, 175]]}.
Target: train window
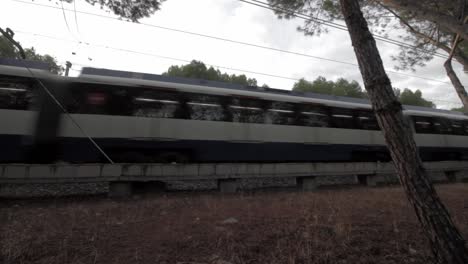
{"points": [[247, 110], [342, 118], [457, 127], [281, 113], [16, 93], [423, 125], [366, 120], [156, 103], [205, 107], [442, 125], [465, 125], [87, 98], [315, 116], [118, 101], [96, 98]]}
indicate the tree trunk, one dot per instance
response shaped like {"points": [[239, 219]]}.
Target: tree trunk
{"points": [[462, 59], [459, 88], [448, 22], [447, 244]]}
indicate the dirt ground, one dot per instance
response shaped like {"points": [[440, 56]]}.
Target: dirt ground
{"points": [[358, 225]]}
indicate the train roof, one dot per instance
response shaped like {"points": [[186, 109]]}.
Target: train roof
{"points": [[38, 65], [23, 68]]}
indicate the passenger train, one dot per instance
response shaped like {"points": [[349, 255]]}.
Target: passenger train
{"points": [[138, 117]]}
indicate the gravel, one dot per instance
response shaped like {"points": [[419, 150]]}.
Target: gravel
{"points": [[52, 190]]}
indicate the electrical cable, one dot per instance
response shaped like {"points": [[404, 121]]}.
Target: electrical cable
{"points": [[235, 41], [223, 67], [65, 19], [337, 26], [76, 17]]}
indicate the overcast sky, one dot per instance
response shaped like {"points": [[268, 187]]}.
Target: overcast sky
{"points": [[229, 19]]}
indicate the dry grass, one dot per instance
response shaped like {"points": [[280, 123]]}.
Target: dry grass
{"points": [[359, 225]]}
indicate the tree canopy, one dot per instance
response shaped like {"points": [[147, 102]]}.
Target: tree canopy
{"points": [[130, 9], [432, 28], [7, 50], [458, 109], [408, 97], [341, 87], [198, 70], [429, 24]]}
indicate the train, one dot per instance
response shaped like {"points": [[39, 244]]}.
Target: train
{"points": [[107, 115]]}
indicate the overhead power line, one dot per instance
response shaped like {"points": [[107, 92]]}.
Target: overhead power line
{"points": [[233, 41], [76, 17], [338, 26], [157, 55], [259, 46], [194, 34], [66, 20], [331, 24], [222, 39], [65, 17]]}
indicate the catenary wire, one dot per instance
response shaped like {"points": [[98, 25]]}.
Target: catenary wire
{"points": [[163, 57], [76, 17], [238, 42], [337, 26], [65, 19], [219, 66], [241, 70]]}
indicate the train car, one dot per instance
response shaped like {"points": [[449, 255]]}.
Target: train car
{"points": [[138, 117]]}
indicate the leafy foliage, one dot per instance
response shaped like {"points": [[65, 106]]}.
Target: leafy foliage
{"points": [[53, 66], [423, 36], [459, 109], [7, 50], [198, 70], [130, 9], [341, 87], [408, 97]]}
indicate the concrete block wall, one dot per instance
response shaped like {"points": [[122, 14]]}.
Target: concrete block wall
{"points": [[461, 176], [336, 180], [228, 185], [437, 176]]}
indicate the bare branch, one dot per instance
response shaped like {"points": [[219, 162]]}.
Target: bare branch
{"points": [[459, 88], [446, 21]]}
